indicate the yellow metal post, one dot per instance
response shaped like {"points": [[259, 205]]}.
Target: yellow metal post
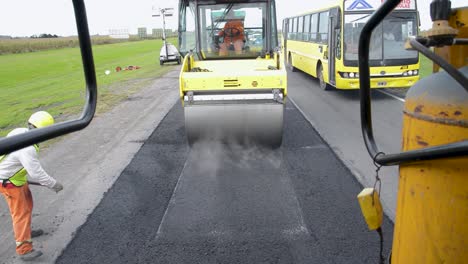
{"points": [[431, 224]]}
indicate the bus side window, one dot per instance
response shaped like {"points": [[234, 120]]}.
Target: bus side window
{"points": [[306, 35], [284, 30], [295, 29], [300, 28], [313, 27], [323, 27]]}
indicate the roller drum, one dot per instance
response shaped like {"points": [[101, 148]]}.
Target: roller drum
{"points": [[244, 123]]}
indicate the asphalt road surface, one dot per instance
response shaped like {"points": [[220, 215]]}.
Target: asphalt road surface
{"points": [[335, 115], [227, 204]]}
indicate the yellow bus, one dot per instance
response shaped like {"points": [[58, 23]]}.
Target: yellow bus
{"points": [[324, 44]]}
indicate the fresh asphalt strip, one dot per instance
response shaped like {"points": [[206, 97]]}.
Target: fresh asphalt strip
{"points": [[227, 204]]}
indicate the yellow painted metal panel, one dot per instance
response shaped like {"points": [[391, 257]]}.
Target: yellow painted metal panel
{"points": [[233, 75], [306, 55], [431, 224], [348, 83], [432, 210]]}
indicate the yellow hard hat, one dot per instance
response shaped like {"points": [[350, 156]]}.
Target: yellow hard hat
{"points": [[41, 119]]}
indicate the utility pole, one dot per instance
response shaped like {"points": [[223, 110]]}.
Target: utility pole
{"points": [[164, 12]]}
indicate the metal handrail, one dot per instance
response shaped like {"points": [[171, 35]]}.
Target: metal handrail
{"points": [[430, 153], [34, 136]]}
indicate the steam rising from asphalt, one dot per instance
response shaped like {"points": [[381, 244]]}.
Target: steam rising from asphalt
{"points": [[210, 155]]}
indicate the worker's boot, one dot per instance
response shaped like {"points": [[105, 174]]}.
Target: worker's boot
{"points": [[37, 233], [31, 255]]}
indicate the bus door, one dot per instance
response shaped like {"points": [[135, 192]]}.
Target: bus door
{"points": [[333, 42]]}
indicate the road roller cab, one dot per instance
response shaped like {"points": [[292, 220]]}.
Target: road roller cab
{"points": [[233, 81]]}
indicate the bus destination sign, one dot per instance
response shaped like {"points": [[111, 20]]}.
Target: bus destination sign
{"points": [[369, 5]]}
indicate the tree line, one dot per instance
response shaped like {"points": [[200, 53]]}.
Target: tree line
{"points": [[44, 35]]}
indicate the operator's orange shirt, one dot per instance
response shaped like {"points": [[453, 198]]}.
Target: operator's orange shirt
{"points": [[236, 34]]}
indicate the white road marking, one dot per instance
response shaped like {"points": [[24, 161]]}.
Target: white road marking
{"points": [[391, 95]]}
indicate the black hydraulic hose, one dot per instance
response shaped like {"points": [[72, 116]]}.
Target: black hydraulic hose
{"points": [[34, 136], [459, 41], [364, 73], [446, 151], [452, 71]]}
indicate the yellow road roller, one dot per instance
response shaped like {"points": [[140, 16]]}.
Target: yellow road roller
{"points": [[233, 79]]}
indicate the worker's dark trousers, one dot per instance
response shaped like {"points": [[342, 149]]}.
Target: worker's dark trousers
{"points": [[20, 202]]}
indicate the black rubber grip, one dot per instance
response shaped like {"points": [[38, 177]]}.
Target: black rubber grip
{"points": [[440, 9]]}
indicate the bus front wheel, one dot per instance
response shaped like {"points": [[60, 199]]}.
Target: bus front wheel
{"points": [[321, 79]]}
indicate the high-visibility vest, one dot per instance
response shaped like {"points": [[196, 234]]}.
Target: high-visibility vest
{"points": [[21, 176]]}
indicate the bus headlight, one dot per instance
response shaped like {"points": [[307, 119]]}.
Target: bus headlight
{"points": [[349, 74], [410, 73]]}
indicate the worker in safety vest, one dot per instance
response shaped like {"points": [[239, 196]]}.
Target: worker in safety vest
{"points": [[15, 168], [233, 34]]}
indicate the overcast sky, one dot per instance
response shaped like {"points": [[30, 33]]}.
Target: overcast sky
{"points": [[25, 18]]}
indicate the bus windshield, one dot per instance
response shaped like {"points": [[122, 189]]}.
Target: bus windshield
{"points": [[232, 30], [387, 41]]}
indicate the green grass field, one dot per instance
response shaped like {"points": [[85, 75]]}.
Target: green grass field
{"points": [[426, 66], [53, 80], [25, 45]]}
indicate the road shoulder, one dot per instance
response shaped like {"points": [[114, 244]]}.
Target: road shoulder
{"points": [[87, 163]]}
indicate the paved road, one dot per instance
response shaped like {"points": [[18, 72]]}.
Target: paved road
{"points": [[173, 205], [226, 204], [335, 115]]}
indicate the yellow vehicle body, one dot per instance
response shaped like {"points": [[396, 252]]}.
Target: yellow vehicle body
{"points": [[306, 56], [233, 81], [432, 206], [324, 43], [238, 101], [381, 77], [228, 75]]}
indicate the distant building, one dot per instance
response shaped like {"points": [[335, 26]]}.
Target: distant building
{"points": [[119, 33], [142, 33], [156, 33], [5, 37], [170, 33]]}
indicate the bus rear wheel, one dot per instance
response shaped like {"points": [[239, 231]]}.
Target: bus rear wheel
{"points": [[321, 79], [290, 64]]}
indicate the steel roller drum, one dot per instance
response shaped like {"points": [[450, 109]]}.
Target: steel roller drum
{"points": [[240, 123]]}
